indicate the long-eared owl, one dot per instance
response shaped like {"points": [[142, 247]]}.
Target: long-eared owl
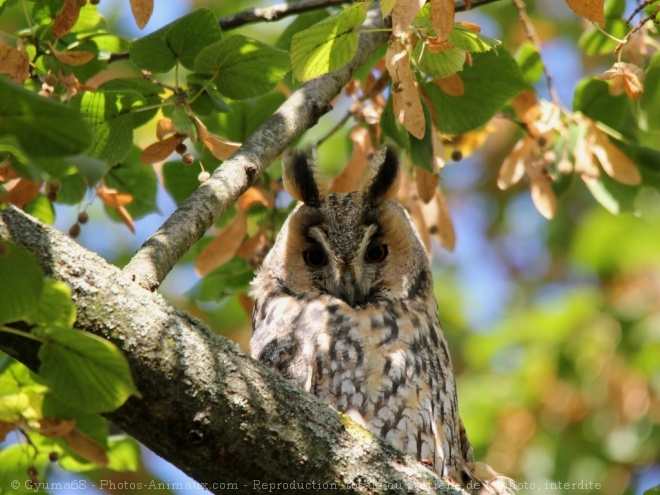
{"points": [[344, 306]]}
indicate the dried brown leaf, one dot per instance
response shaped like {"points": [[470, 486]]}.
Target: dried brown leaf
{"points": [[513, 167], [349, 178], [475, 28], [125, 217], [625, 77], [442, 17], [223, 247], [633, 86], [452, 85], [426, 183], [403, 13], [436, 45], [438, 221], [20, 192], [159, 151], [5, 428], [408, 198], [592, 10], [614, 161], [56, 427], [405, 98], [73, 58], [112, 197], [543, 196], [526, 107], [438, 151], [142, 10], [163, 128], [247, 303], [67, 17], [6, 171], [15, 63], [255, 196], [585, 164], [221, 148], [252, 244], [85, 447]]}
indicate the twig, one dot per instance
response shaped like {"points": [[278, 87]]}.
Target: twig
{"points": [[533, 37], [639, 26], [639, 8]]}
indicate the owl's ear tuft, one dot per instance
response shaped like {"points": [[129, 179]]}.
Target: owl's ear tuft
{"points": [[382, 178], [301, 180]]}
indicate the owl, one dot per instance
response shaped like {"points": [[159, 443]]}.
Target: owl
{"points": [[344, 306]]}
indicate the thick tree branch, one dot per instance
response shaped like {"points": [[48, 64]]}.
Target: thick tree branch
{"points": [[207, 407], [282, 10], [196, 215]]}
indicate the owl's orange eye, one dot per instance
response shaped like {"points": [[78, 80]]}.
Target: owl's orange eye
{"points": [[315, 257], [376, 254]]}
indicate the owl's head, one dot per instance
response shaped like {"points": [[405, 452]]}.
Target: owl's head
{"points": [[359, 246]]}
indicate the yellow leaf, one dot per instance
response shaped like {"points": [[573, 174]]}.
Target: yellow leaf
{"points": [[403, 14], [15, 63], [526, 107], [593, 10], [438, 151], [158, 151], [125, 217], [408, 198], [475, 28], [405, 99], [584, 159], [220, 147], [142, 10], [436, 45], [112, 197], [223, 247], [442, 17], [386, 7], [67, 17], [86, 448]]}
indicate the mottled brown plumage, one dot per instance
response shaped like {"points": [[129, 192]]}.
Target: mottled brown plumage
{"points": [[344, 306]]}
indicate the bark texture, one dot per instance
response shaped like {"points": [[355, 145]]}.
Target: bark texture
{"points": [[207, 407]]}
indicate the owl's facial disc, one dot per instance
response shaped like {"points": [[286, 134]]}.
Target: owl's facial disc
{"points": [[350, 276]]}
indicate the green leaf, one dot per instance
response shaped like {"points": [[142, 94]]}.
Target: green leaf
{"points": [[91, 169], [42, 209], [529, 61], [59, 130], [21, 282], [150, 92], [137, 179], [594, 42], [299, 23], [328, 44], [72, 189], [245, 117], [124, 453], [15, 460], [184, 123], [653, 491], [593, 99], [55, 308], [21, 393], [492, 80], [180, 181], [391, 127], [110, 113], [439, 65], [234, 276], [470, 41], [86, 371], [649, 117], [421, 150], [236, 60], [612, 195], [180, 41]]}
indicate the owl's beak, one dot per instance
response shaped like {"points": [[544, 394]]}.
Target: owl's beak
{"points": [[348, 288]]}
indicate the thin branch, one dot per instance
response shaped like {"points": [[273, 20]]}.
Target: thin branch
{"points": [[223, 418], [197, 214], [652, 17], [638, 9], [533, 37]]}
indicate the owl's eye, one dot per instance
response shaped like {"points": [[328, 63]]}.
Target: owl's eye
{"points": [[376, 254], [315, 257]]}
